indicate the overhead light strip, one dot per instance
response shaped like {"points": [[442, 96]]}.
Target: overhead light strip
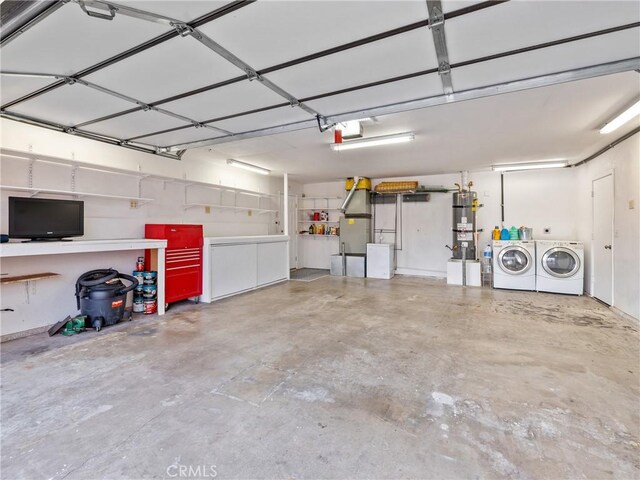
{"points": [[508, 167], [626, 116], [373, 141], [248, 166]]}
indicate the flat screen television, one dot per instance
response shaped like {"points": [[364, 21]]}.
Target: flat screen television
{"points": [[40, 219]]}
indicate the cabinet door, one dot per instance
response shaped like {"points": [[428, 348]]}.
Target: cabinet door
{"points": [[233, 269], [272, 262]]}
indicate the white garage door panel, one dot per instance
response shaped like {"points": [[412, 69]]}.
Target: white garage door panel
{"points": [[269, 118], [452, 5], [235, 98], [68, 41], [583, 53], [134, 124], [175, 66], [411, 89], [521, 24], [272, 262], [71, 104], [399, 55], [266, 33], [233, 269], [12, 88], [178, 9], [177, 137]]}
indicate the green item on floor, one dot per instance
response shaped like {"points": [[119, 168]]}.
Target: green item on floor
{"points": [[75, 325]]}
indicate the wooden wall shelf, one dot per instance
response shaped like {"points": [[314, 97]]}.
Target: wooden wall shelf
{"points": [[27, 278]]}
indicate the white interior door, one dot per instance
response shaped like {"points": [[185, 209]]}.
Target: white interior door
{"points": [[602, 247]]}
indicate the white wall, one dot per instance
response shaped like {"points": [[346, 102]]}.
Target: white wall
{"points": [[533, 199], [624, 162], [51, 300], [315, 252]]}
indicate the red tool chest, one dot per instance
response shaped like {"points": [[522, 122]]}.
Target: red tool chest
{"points": [[183, 261]]}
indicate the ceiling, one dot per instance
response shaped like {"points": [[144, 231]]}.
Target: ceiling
{"points": [[229, 79]]}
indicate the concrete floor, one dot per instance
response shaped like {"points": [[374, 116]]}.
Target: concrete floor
{"points": [[336, 378]]}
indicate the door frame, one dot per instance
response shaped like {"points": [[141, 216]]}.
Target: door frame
{"points": [[293, 229], [592, 280]]}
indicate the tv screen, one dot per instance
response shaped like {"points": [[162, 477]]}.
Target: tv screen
{"points": [[43, 218]]}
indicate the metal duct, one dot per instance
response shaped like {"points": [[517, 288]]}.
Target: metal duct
{"points": [[356, 180]]}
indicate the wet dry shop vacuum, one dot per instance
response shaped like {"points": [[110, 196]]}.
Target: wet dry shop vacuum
{"points": [[101, 296]]}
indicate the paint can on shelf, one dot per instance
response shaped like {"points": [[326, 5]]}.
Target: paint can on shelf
{"points": [[149, 278], [149, 291], [150, 306], [140, 277], [138, 305]]}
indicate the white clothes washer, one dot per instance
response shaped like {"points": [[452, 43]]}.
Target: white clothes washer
{"points": [[560, 266], [514, 264]]}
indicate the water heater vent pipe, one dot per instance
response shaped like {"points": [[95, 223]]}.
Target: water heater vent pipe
{"points": [[356, 180]]}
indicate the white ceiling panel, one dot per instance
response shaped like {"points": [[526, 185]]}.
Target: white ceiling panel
{"points": [[70, 105], [270, 32], [235, 98], [521, 24], [399, 55], [12, 87], [177, 137], [180, 10], [411, 89], [175, 66], [69, 40], [468, 135], [615, 46], [251, 146], [451, 5], [270, 118], [135, 124]]}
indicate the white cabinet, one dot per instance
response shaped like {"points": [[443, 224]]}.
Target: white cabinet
{"points": [[238, 264], [272, 262], [233, 269]]}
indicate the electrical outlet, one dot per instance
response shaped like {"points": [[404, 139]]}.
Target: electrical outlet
{"points": [[133, 204], [207, 209], [547, 230]]}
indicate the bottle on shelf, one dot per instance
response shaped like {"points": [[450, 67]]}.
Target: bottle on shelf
{"points": [[496, 233]]}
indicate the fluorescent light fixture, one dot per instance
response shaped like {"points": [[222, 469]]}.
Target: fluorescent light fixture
{"points": [[373, 141], [507, 167], [248, 166], [624, 117]]}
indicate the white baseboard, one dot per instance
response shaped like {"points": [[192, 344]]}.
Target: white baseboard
{"points": [[421, 273], [626, 316]]}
